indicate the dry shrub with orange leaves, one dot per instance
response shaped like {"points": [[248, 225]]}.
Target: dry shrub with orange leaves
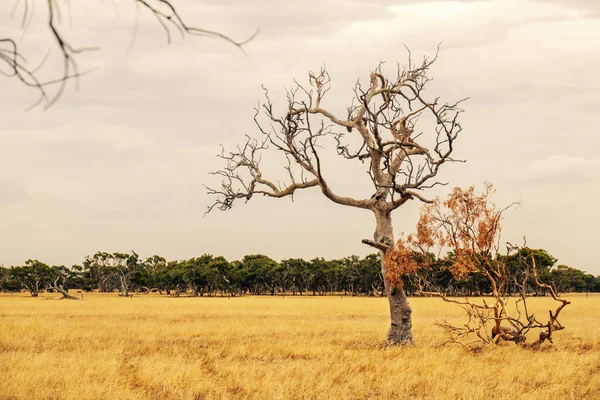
{"points": [[467, 226]]}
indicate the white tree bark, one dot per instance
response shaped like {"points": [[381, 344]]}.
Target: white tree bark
{"points": [[399, 162]]}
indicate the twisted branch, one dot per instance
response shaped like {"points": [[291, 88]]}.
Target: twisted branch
{"points": [[16, 65], [401, 162]]}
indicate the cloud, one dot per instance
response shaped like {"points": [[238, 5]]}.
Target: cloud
{"points": [[122, 161], [590, 6], [562, 169], [12, 192], [560, 162]]}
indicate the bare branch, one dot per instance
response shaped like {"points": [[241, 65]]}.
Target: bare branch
{"points": [[401, 162], [468, 224], [243, 178], [12, 59], [378, 245]]}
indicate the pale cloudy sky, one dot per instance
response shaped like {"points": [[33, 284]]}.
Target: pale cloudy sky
{"points": [[120, 164]]}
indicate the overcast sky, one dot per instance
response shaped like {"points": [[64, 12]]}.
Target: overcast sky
{"points": [[120, 164]]}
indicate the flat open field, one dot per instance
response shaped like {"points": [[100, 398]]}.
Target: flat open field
{"points": [[271, 347]]}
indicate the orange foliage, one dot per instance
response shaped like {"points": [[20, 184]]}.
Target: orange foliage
{"points": [[466, 223], [400, 261]]}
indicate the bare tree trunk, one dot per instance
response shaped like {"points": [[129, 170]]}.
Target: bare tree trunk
{"points": [[33, 290], [124, 291], [61, 290], [59, 287], [400, 332]]}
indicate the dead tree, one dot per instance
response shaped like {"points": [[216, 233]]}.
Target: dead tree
{"points": [[379, 130], [15, 64], [468, 225]]}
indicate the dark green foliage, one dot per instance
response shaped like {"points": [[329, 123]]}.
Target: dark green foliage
{"points": [[34, 276], [258, 274]]}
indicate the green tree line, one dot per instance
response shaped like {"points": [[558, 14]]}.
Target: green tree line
{"points": [[209, 275]]}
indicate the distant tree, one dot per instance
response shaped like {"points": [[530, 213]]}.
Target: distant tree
{"points": [[590, 282], [7, 282], [219, 275], [171, 278], [334, 276], [318, 268], [25, 67], [76, 277], [259, 273], [98, 272], [468, 223], [126, 266], [236, 278], [379, 129], [567, 279], [369, 272], [113, 270], [151, 267], [298, 274], [3, 276], [197, 274], [34, 276], [59, 276]]}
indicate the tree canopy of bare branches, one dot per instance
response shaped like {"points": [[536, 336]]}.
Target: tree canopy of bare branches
{"points": [[467, 224], [379, 130], [15, 64]]}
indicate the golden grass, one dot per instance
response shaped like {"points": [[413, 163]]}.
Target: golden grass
{"points": [[152, 347]]}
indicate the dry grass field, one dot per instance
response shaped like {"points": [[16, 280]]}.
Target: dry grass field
{"points": [[275, 348]]}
